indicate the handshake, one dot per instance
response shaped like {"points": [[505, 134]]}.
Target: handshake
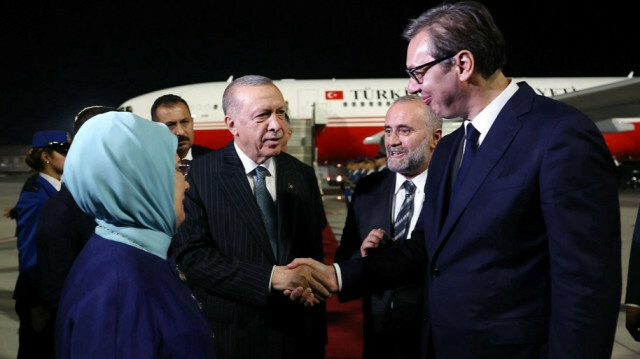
{"points": [[306, 281]]}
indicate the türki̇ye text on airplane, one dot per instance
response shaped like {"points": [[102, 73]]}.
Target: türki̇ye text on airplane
{"points": [[341, 119]]}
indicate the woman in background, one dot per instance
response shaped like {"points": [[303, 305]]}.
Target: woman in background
{"points": [[46, 157], [121, 298]]}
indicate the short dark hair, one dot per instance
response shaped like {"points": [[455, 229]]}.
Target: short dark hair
{"points": [[88, 112], [166, 100], [465, 25]]}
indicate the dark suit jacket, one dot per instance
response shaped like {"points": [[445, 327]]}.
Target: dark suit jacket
{"points": [[524, 259], [223, 249], [63, 230], [197, 151], [371, 207], [633, 277]]}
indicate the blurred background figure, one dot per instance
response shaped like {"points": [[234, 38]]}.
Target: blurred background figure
{"points": [[122, 297], [47, 157], [62, 231], [381, 160], [173, 111], [288, 131]]}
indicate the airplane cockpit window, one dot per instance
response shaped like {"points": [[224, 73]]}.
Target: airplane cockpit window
{"points": [[125, 108]]}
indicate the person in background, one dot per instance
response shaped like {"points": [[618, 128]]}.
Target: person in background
{"points": [[381, 160], [251, 209], [288, 131], [173, 111], [46, 157], [632, 299], [122, 297], [62, 231], [369, 166], [384, 210]]}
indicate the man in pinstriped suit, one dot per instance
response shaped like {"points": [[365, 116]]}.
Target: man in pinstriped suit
{"points": [[223, 248]]}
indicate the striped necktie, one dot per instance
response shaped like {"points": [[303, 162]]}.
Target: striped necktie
{"points": [[403, 219], [267, 207]]}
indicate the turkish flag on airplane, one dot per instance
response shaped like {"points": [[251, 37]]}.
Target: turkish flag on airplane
{"points": [[333, 95]]}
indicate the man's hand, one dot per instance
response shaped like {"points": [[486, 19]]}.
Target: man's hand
{"points": [[633, 322], [309, 289], [322, 273], [375, 239]]}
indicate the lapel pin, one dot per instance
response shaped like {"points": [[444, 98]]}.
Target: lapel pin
{"points": [[289, 185]]}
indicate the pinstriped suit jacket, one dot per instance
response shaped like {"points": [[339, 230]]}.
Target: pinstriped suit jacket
{"points": [[223, 249]]}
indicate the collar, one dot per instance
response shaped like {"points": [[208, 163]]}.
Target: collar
{"points": [[418, 180], [189, 155], [56, 183], [484, 120], [249, 165]]}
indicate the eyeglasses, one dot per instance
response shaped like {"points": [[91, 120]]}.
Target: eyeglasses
{"points": [[418, 76], [185, 168]]}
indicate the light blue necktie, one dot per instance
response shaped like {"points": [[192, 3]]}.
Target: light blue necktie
{"points": [[267, 207]]}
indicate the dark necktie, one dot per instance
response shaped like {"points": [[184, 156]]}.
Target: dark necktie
{"points": [[267, 207], [470, 150], [403, 219]]}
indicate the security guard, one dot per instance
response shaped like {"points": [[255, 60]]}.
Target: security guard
{"points": [[47, 156]]}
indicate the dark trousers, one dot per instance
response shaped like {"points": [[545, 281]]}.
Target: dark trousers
{"points": [[34, 344]]}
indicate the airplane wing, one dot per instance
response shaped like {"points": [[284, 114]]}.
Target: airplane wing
{"points": [[618, 99]]}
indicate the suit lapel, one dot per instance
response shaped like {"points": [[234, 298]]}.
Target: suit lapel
{"points": [[495, 144], [238, 193], [288, 187], [387, 191]]}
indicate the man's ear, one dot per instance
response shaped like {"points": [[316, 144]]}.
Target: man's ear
{"points": [[231, 125], [435, 138], [465, 63]]}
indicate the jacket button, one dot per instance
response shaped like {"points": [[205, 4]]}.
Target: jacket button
{"points": [[435, 272]]}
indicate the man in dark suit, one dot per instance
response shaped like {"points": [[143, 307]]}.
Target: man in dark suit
{"points": [[523, 240], [241, 229], [173, 111], [392, 319], [632, 299]]}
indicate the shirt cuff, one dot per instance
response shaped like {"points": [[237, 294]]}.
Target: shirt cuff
{"points": [[338, 276], [271, 277]]}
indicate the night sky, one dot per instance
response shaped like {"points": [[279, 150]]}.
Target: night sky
{"points": [[58, 59]]}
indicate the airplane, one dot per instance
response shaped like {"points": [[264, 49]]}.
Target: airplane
{"points": [[342, 119]]}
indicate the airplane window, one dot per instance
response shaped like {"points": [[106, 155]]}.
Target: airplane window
{"points": [[345, 104], [353, 104], [379, 103], [362, 104], [371, 104], [215, 106]]}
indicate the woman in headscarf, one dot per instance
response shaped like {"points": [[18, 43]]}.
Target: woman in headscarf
{"points": [[121, 298], [46, 157]]}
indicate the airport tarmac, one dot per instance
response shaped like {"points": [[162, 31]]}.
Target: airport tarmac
{"points": [[624, 347]]}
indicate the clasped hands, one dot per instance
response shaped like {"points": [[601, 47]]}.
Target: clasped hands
{"points": [[310, 282], [306, 281]]}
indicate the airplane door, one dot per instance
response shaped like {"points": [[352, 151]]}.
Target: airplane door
{"points": [[306, 101]]}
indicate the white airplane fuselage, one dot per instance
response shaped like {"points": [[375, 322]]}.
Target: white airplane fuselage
{"points": [[344, 112]]}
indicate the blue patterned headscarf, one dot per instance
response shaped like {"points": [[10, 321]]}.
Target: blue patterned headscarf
{"points": [[120, 169]]}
